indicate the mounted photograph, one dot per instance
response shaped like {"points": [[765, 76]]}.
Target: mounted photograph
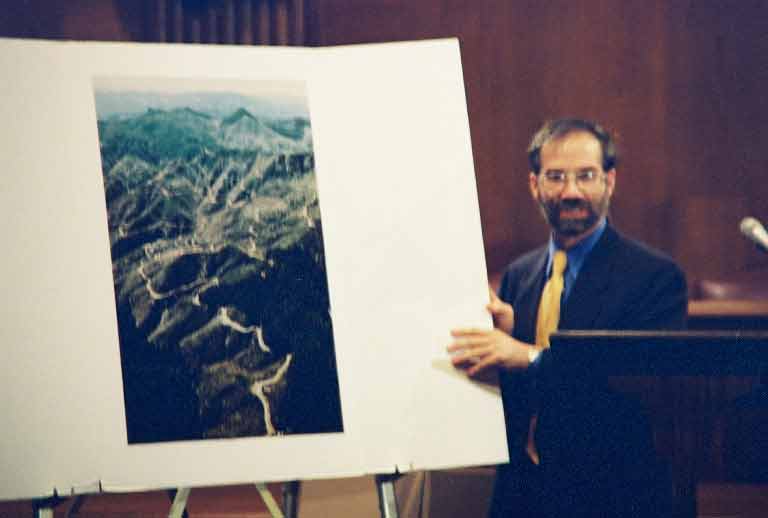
{"points": [[218, 259]]}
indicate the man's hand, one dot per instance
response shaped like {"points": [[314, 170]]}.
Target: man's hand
{"points": [[502, 313], [475, 350]]}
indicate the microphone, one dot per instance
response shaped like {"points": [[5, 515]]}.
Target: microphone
{"points": [[755, 232]]}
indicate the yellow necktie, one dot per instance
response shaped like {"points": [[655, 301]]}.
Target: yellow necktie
{"points": [[549, 307], [546, 324]]}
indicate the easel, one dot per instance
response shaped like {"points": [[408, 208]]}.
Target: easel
{"points": [[44, 508], [385, 486], [179, 505]]}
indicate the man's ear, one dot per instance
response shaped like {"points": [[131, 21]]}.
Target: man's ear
{"points": [[610, 181], [533, 185]]}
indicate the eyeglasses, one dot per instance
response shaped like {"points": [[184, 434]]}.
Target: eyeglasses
{"points": [[585, 180]]}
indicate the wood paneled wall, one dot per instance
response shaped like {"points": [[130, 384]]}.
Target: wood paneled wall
{"points": [[245, 22], [682, 83]]}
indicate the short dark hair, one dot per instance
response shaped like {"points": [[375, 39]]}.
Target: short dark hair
{"points": [[555, 129]]}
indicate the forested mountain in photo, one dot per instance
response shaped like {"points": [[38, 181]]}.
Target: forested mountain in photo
{"points": [[219, 270]]}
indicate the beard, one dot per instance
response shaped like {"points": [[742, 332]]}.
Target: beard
{"points": [[569, 226]]}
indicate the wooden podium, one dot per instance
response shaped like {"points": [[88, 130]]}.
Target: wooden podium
{"points": [[703, 391]]}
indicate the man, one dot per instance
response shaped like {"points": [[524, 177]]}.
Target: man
{"points": [[576, 449]]}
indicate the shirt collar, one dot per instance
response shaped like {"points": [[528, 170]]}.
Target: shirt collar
{"points": [[576, 254]]}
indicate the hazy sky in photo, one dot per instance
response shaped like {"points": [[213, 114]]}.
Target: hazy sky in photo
{"points": [[272, 98]]}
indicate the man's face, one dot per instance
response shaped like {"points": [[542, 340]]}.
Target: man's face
{"points": [[572, 189]]}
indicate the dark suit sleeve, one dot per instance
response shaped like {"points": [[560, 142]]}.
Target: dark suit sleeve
{"points": [[507, 287]]}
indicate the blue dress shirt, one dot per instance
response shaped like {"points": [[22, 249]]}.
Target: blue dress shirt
{"points": [[576, 256]]}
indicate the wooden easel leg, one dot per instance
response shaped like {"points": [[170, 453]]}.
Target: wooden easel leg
{"points": [[77, 503], [179, 505], [269, 500], [291, 492], [43, 512], [385, 484], [44, 508]]}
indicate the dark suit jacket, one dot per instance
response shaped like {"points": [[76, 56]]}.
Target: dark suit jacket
{"points": [[583, 429]]}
